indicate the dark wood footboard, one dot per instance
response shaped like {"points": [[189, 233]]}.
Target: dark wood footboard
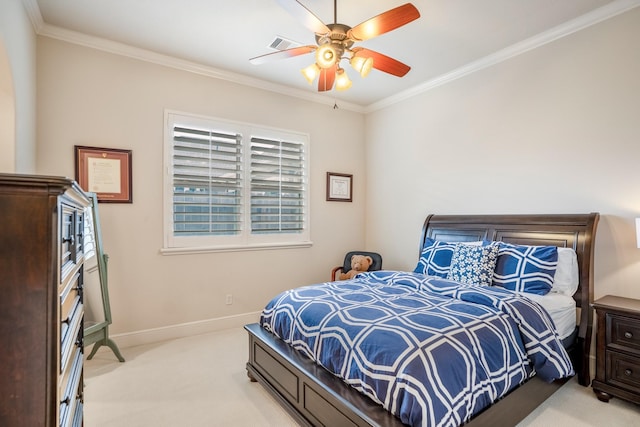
{"points": [[314, 397], [307, 391]]}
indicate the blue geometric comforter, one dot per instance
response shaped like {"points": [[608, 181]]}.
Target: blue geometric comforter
{"points": [[431, 351]]}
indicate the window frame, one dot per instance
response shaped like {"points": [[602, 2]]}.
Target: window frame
{"points": [[245, 240]]}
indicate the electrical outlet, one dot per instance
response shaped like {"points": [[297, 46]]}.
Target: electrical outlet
{"points": [[229, 299]]}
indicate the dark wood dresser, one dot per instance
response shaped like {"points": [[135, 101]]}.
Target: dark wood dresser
{"points": [[41, 310], [618, 349]]}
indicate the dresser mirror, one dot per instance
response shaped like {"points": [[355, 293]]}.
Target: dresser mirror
{"points": [[96, 291]]}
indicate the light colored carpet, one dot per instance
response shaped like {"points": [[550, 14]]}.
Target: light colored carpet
{"points": [[201, 381]]}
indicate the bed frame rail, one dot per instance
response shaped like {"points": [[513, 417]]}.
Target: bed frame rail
{"points": [[309, 392]]}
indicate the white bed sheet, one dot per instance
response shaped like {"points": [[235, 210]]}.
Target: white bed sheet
{"points": [[561, 308]]}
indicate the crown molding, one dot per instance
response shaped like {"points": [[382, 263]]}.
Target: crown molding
{"points": [[598, 15], [603, 13], [184, 65], [122, 49], [33, 10]]}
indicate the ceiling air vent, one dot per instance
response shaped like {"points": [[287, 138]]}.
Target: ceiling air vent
{"points": [[280, 43]]}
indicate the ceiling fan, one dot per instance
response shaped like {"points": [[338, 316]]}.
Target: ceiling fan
{"points": [[336, 42]]}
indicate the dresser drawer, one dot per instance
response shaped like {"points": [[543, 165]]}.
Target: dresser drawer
{"points": [[625, 333], [67, 240], [71, 391], [71, 333], [71, 250], [77, 418], [79, 239], [623, 371], [71, 292]]}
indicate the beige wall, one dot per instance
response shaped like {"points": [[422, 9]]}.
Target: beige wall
{"points": [[17, 89], [88, 97], [7, 115], [552, 130], [555, 130]]}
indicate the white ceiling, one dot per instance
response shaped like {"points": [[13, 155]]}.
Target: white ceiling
{"points": [[221, 35]]}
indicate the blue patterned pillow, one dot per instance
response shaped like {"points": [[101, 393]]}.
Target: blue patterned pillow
{"points": [[435, 258], [526, 268], [473, 265]]}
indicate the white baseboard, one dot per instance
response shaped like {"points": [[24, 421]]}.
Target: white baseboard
{"points": [[149, 336]]}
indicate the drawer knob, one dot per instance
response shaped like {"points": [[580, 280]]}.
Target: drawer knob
{"points": [[628, 335], [628, 372]]}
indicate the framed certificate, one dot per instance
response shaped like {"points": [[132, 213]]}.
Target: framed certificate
{"points": [[106, 172], [339, 187]]}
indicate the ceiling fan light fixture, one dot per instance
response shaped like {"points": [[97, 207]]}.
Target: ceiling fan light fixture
{"points": [[334, 42], [311, 72], [326, 56], [362, 65], [342, 80]]}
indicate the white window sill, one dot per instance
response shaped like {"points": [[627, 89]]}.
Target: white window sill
{"points": [[260, 247]]}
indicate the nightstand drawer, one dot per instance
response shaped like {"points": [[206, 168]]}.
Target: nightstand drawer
{"points": [[624, 371], [625, 332]]}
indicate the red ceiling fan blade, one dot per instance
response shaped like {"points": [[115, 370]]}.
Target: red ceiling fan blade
{"points": [[327, 78], [304, 15], [383, 62], [385, 22], [283, 54]]}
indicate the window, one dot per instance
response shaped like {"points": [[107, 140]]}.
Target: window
{"points": [[232, 185]]}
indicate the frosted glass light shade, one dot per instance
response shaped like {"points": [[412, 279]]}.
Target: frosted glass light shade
{"points": [[342, 80], [311, 72], [362, 65]]}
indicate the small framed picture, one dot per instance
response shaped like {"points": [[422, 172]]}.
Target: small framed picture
{"points": [[339, 187], [106, 172]]}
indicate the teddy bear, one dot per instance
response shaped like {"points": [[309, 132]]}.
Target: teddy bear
{"points": [[359, 263]]}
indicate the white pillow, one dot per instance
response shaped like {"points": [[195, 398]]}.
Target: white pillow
{"points": [[567, 277]]}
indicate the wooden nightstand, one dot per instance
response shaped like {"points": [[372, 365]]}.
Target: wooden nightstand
{"points": [[618, 349]]}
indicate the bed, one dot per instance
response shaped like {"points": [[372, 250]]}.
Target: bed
{"points": [[314, 396]]}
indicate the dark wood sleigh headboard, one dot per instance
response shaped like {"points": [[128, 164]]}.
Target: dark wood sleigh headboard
{"points": [[562, 230]]}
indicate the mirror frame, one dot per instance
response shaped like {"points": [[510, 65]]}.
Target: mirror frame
{"points": [[98, 333]]}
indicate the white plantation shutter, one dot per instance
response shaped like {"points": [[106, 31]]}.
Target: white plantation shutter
{"points": [[277, 186], [232, 185], [207, 182]]}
